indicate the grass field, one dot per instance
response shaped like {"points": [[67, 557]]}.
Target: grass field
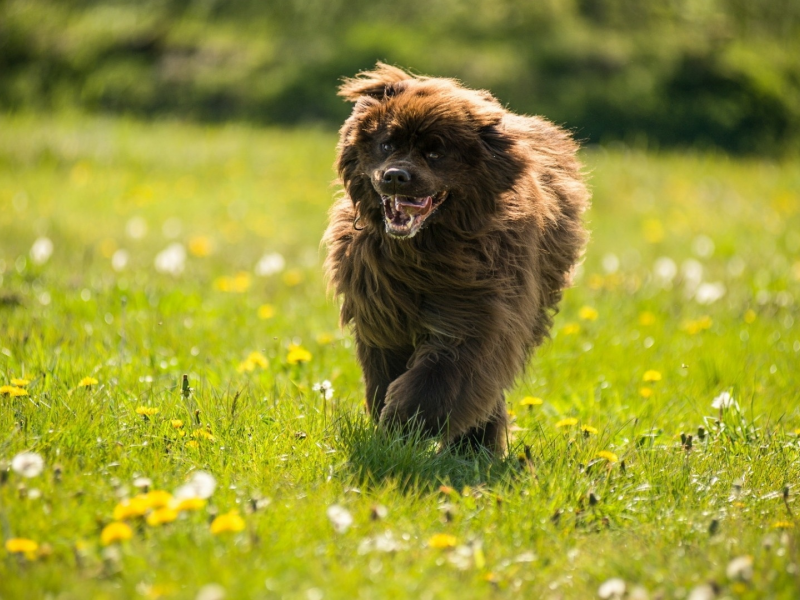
{"points": [[134, 253]]}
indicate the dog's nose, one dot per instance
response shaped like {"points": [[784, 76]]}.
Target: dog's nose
{"points": [[396, 176]]}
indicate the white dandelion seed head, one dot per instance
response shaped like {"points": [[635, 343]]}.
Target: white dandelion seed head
{"points": [[27, 464], [612, 588], [610, 263], [41, 251], [708, 293], [340, 518], [201, 485], [724, 400], [136, 228], [664, 270], [269, 264], [692, 272], [325, 388], [171, 260], [119, 260], [211, 591]]}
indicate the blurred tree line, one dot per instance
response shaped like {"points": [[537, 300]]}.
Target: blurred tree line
{"points": [[721, 73]]}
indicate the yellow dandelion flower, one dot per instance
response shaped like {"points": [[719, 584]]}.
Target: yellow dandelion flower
{"points": [[266, 311], [651, 376], [645, 392], [571, 329], [568, 422], [230, 521], [783, 525], [131, 508], [161, 516], [19, 382], [200, 246], [292, 277], [176, 423], [87, 382], [257, 360], [588, 429], [157, 498], [442, 540], [647, 318], [587, 313], [609, 456], [653, 231], [297, 354], [749, 316], [797, 431], [696, 326], [511, 414], [192, 444], [115, 532], [530, 401], [323, 339], [204, 435], [186, 504], [22, 546], [12, 391], [146, 411]]}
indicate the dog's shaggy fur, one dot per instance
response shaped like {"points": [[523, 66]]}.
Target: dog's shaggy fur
{"points": [[456, 235]]}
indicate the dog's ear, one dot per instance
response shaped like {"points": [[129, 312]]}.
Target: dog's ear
{"points": [[380, 83]]}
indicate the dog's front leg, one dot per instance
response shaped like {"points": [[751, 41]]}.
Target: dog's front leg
{"points": [[381, 367], [447, 391]]}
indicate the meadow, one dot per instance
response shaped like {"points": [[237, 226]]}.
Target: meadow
{"points": [[169, 351]]}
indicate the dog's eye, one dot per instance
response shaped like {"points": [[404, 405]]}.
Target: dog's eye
{"points": [[387, 147], [433, 155]]}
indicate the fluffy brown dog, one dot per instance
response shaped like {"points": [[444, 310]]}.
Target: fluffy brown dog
{"points": [[451, 246]]}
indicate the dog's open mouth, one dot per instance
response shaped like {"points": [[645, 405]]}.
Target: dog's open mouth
{"points": [[404, 215]]}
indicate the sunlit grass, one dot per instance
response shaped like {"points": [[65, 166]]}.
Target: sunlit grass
{"points": [[655, 436]]}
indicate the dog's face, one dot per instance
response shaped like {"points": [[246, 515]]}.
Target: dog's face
{"points": [[416, 147]]}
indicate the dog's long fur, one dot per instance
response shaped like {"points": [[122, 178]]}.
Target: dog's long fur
{"points": [[445, 319]]}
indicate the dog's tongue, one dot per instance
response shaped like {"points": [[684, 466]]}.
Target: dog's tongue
{"points": [[413, 206]]}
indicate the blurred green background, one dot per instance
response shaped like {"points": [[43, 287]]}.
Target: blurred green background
{"points": [[706, 73]]}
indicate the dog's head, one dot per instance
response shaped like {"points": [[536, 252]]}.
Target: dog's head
{"points": [[417, 147]]}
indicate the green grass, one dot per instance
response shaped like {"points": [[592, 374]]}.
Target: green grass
{"points": [[553, 520]]}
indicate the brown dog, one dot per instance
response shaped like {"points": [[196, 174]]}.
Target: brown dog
{"points": [[451, 246]]}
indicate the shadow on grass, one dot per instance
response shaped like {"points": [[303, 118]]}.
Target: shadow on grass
{"points": [[413, 461]]}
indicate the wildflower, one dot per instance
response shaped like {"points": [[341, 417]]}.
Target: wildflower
{"points": [[199, 246], [340, 518], [293, 278], [442, 540], [612, 588], [201, 485], [740, 568], [115, 532], [325, 388], [653, 231], [41, 251], [783, 525], [192, 444], [161, 516], [237, 284], [571, 329], [176, 423], [651, 376], [609, 456], [171, 260], [22, 546], [131, 508], [187, 504], [269, 264], [588, 429], [723, 401], [266, 311], [645, 392], [253, 360], [146, 411], [587, 313], [647, 318], [119, 260], [12, 391], [297, 354], [19, 382], [665, 271], [696, 326], [203, 434], [87, 382], [158, 498], [142, 483], [568, 422], [708, 293], [230, 521], [530, 401], [27, 464]]}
